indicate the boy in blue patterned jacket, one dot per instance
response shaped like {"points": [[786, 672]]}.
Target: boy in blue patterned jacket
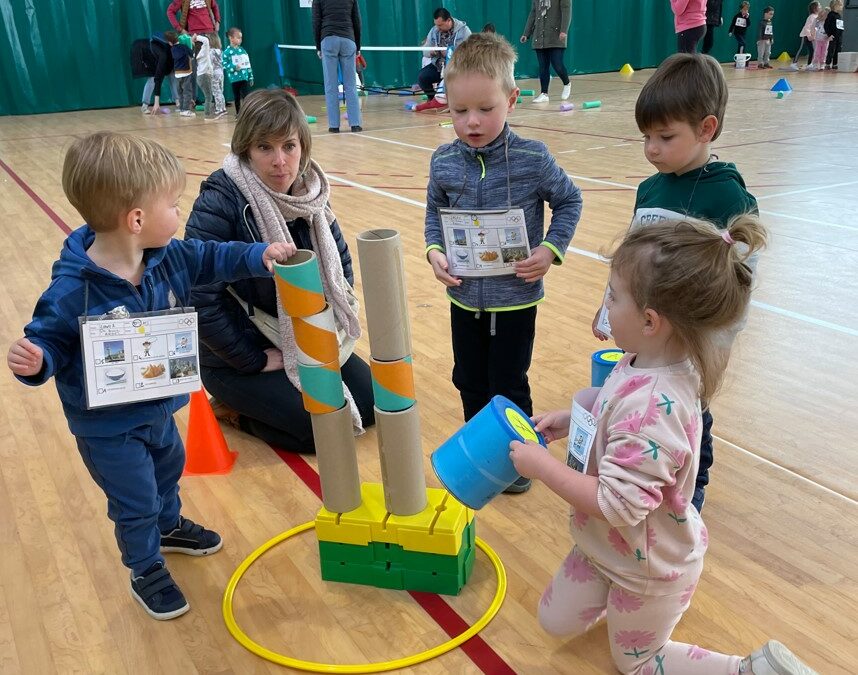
{"points": [[124, 260], [493, 318]]}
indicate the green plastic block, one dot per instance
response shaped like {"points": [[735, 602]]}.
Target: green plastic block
{"points": [[380, 576], [445, 584]]}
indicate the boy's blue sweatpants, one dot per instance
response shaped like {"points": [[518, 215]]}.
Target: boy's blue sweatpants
{"points": [[139, 473]]}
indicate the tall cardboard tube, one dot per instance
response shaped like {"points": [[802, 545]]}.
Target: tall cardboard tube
{"points": [[338, 466], [401, 454], [382, 270]]}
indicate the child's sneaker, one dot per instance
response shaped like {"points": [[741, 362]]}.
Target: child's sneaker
{"points": [[189, 538], [220, 114], [158, 594], [773, 658], [187, 113]]}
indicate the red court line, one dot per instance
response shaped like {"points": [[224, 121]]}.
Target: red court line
{"points": [[60, 223], [483, 656], [576, 133]]}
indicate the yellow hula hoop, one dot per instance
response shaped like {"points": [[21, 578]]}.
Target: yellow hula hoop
{"points": [[378, 667]]}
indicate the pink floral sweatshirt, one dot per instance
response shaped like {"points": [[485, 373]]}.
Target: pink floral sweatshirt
{"points": [[645, 454]]}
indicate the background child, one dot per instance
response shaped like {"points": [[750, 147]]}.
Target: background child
{"points": [[639, 546], [765, 38], [834, 29], [821, 41], [125, 260], [204, 74], [217, 74], [183, 53], [806, 36], [680, 111], [236, 64], [493, 319], [739, 26]]}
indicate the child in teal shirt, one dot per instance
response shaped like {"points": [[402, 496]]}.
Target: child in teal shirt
{"points": [[236, 65]]}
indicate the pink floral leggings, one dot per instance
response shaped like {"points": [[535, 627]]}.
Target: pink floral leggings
{"points": [[639, 626]]}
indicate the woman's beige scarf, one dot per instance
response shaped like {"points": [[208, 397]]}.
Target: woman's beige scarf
{"points": [[272, 210]]}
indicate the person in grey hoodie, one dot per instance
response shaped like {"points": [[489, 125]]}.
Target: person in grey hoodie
{"points": [[493, 318], [548, 24], [447, 32]]}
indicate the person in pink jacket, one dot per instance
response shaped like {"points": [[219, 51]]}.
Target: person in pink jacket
{"points": [[675, 288], [689, 21]]}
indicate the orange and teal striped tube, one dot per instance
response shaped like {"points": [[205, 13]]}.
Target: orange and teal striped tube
{"points": [[393, 384], [321, 387], [299, 285]]}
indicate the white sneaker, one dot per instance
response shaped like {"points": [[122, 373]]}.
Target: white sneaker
{"points": [[145, 109], [567, 89], [773, 658], [187, 113], [542, 98]]}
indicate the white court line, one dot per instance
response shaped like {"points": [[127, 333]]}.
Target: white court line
{"points": [[595, 256], [564, 152], [808, 220], [589, 254], [825, 489], [803, 190]]}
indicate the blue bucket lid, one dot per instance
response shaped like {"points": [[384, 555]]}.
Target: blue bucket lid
{"points": [[608, 357], [515, 420]]}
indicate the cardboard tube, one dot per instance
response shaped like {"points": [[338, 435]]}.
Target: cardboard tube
{"points": [[299, 284], [393, 384], [316, 337], [335, 453], [382, 273], [321, 387], [401, 454]]}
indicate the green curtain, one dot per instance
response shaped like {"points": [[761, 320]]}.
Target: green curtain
{"points": [[74, 54]]}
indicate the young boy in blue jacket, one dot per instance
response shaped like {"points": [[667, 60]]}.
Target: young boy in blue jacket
{"points": [[123, 261], [493, 318]]}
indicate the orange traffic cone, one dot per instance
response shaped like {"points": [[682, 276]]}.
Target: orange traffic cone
{"points": [[206, 451]]}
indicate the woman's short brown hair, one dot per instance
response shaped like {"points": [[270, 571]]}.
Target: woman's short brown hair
{"points": [[684, 88], [271, 114]]}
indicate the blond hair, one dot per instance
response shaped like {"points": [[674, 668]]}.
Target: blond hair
{"points": [[684, 88], [689, 273], [271, 115], [107, 174], [488, 54], [214, 40]]}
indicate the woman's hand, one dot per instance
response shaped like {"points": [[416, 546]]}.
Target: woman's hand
{"points": [[440, 266], [536, 266], [553, 425], [562, 36], [274, 360], [25, 358], [280, 252], [528, 458]]}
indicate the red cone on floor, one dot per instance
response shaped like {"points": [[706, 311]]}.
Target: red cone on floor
{"points": [[206, 451]]}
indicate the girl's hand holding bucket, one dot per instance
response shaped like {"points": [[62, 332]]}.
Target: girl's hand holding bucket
{"points": [[552, 425], [529, 458]]}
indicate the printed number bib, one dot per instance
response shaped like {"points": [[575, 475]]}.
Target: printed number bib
{"points": [[241, 61], [741, 23]]}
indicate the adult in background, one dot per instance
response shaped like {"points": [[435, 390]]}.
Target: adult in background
{"points": [[548, 24], [336, 28], [270, 189], [197, 16], [689, 20], [447, 32], [160, 46], [714, 19]]}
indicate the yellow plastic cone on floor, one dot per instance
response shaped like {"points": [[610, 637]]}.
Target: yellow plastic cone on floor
{"points": [[784, 57], [627, 70]]}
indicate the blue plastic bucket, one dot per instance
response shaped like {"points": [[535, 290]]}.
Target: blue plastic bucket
{"points": [[474, 464], [603, 363]]}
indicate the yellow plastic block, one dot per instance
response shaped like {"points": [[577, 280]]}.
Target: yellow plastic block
{"points": [[627, 70], [436, 529]]}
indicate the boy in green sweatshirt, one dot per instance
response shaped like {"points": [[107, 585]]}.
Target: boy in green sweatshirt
{"points": [[680, 112]]}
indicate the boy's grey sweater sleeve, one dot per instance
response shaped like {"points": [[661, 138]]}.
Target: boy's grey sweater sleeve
{"points": [[435, 198], [564, 198]]}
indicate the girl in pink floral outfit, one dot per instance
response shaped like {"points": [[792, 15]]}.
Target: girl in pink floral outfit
{"points": [[639, 544]]}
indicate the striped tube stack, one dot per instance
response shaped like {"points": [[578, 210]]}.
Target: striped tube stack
{"points": [[299, 288]]}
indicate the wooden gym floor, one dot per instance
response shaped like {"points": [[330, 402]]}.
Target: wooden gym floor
{"points": [[781, 508]]}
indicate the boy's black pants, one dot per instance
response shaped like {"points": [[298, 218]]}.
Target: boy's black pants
{"points": [[491, 355]]}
